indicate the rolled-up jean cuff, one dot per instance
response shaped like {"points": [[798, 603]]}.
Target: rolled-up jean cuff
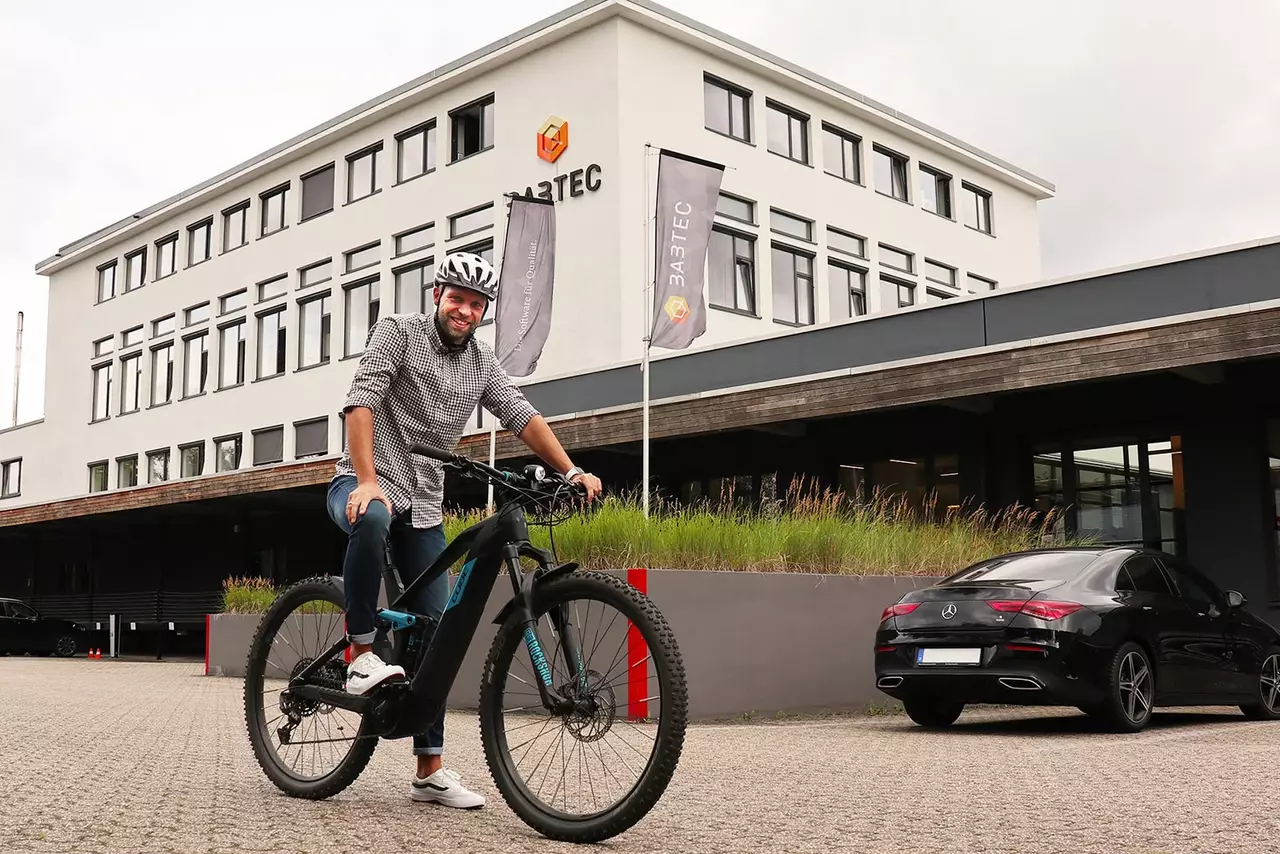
{"points": [[365, 639], [428, 751]]}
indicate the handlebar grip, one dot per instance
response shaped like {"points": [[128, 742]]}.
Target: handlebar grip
{"points": [[432, 453]]}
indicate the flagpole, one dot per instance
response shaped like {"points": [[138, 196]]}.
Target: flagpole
{"points": [[648, 335], [493, 447]]}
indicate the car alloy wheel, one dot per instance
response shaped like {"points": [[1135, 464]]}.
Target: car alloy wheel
{"points": [[1270, 683], [1135, 687], [66, 646]]}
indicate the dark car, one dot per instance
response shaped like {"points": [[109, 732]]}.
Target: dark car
{"points": [[1114, 632], [23, 630]]}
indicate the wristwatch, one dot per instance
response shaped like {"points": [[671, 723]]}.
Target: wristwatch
{"points": [[573, 472]]}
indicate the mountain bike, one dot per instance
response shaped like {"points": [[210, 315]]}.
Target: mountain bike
{"points": [[572, 713]]}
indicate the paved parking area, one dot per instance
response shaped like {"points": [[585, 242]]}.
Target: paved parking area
{"points": [[152, 757]]}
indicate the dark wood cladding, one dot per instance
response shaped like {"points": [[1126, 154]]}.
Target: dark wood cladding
{"points": [[1117, 354]]}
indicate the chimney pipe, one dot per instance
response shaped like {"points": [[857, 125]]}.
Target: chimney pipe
{"points": [[17, 369]]}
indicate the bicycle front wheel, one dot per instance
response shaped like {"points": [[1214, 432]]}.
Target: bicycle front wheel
{"points": [[590, 774], [307, 748]]}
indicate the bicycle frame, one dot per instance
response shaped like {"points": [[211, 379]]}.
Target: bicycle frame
{"points": [[408, 708]]}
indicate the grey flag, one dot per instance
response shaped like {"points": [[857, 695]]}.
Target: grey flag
{"points": [[526, 280], [688, 189]]}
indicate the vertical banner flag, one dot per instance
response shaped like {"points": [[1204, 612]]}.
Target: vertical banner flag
{"points": [[526, 280], [688, 189]]}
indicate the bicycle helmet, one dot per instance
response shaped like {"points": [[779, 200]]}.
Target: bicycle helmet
{"points": [[468, 271]]}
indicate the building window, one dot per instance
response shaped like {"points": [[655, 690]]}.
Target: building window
{"points": [[98, 477], [734, 207], [130, 383], [792, 286], [469, 222], [788, 132], [896, 259], [227, 452], [317, 192], [731, 271], [935, 191], [727, 108], [413, 287], [103, 346], [162, 375], [365, 256], [784, 223], [938, 296], [273, 205], [196, 314], [940, 273], [311, 438], [231, 347], [268, 446], [11, 478], [416, 151], [191, 459], [981, 282], [314, 331], [102, 392], [199, 242], [321, 271], [272, 288], [127, 472], [848, 291], [362, 303], [235, 227], [841, 153], [107, 282], [167, 256], [472, 128], [233, 301], [846, 242], [158, 466], [977, 207], [906, 290], [131, 338], [195, 357], [135, 269], [891, 173], [163, 326], [362, 173], [422, 237], [272, 338]]}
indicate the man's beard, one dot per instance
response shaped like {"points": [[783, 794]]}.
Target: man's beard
{"points": [[449, 333]]}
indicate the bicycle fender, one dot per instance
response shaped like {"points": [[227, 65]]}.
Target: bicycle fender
{"points": [[524, 599]]}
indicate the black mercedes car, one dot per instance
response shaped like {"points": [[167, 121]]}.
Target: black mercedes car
{"points": [[1112, 631], [25, 630]]}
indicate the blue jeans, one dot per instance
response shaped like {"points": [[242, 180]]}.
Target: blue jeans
{"points": [[413, 550]]}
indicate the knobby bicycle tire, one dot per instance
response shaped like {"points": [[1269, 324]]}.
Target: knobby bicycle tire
{"points": [[362, 747], [660, 767]]}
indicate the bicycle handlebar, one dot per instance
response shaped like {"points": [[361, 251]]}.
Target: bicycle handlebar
{"points": [[502, 477]]}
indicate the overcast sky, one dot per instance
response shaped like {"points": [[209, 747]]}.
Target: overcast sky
{"points": [[1157, 120]]}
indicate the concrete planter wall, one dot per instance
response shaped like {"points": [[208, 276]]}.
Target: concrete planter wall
{"points": [[752, 642]]}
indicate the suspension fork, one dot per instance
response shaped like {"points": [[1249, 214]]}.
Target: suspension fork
{"points": [[522, 583]]}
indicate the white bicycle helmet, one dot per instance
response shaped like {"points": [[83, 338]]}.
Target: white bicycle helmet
{"points": [[468, 271]]}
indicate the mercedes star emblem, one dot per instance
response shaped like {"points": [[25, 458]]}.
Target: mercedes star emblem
{"points": [[948, 611]]}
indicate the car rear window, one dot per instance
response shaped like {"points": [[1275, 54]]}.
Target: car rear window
{"points": [[1041, 566]]}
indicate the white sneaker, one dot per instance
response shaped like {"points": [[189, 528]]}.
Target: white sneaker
{"points": [[369, 671], [445, 787]]}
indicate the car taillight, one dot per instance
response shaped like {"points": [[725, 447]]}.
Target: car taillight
{"points": [[899, 610], [1036, 608]]}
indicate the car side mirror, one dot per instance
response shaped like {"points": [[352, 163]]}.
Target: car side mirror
{"points": [[1235, 599]]}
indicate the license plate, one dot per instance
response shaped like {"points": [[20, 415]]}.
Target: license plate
{"points": [[949, 655]]}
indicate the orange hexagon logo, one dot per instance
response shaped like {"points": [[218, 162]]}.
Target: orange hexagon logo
{"points": [[677, 309], [553, 139]]}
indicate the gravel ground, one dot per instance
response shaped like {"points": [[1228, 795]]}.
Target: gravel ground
{"points": [[127, 757]]}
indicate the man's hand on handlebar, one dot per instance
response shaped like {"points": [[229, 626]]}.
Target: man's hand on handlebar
{"points": [[590, 483]]}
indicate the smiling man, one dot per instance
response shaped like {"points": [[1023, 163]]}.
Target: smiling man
{"points": [[419, 379]]}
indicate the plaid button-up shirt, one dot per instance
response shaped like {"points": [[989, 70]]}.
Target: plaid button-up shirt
{"points": [[421, 388]]}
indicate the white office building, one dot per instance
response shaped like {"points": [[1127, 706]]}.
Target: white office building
{"points": [[217, 330]]}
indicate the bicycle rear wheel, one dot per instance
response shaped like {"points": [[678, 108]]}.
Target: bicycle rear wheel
{"points": [[308, 749], [591, 774]]}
